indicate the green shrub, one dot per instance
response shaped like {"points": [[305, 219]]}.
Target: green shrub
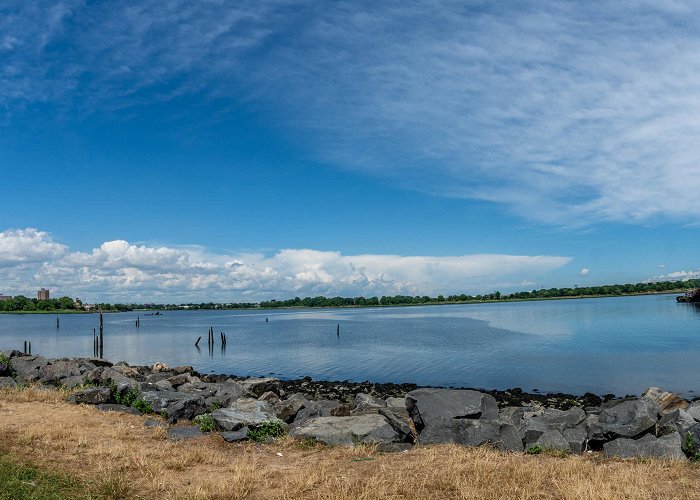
{"points": [[5, 361], [142, 405], [691, 447], [206, 422], [266, 431], [534, 450]]}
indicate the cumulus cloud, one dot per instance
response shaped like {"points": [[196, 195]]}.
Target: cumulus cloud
{"points": [[19, 247], [677, 276], [121, 271], [584, 271], [565, 113]]}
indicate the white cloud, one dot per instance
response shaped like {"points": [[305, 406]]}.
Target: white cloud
{"points": [[19, 247], [584, 271], [677, 276], [120, 271], [565, 113]]}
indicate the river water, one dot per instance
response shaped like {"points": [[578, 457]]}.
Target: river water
{"points": [[618, 345]]}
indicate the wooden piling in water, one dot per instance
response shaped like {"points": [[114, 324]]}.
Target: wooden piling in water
{"points": [[30, 347], [196, 344], [25, 347], [58, 323], [101, 337]]}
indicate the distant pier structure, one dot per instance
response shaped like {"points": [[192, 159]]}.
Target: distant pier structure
{"points": [[691, 296]]}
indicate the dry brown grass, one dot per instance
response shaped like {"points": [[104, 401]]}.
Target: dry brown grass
{"points": [[123, 459]]}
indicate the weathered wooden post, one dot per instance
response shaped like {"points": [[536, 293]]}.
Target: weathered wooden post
{"points": [[337, 330], [196, 344], [30, 347], [25, 347], [58, 323], [101, 337]]}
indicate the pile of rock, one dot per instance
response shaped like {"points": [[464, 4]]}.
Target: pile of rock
{"points": [[658, 424]]}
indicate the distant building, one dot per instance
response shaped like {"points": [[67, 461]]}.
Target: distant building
{"points": [[5, 297], [43, 294]]}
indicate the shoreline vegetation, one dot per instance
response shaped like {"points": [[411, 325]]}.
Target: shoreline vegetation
{"points": [[66, 305]]}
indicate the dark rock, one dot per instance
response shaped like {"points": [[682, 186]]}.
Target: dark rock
{"points": [[230, 391], [464, 431], [553, 440], [233, 436], [270, 397], [181, 433], [668, 446], [287, 410], [177, 405], [694, 410], [577, 439], [678, 420], [244, 412], [178, 370], [400, 424], [162, 385], [313, 409], [7, 382], [428, 407], [509, 438], [91, 396], [28, 368], [626, 419], [259, 386], [118, 408], [550, 419], [371, 429], [364, 403], [178, 380], [54, 372]]}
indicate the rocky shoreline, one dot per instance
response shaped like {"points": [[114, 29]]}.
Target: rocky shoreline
{"points": [[393, 416]]}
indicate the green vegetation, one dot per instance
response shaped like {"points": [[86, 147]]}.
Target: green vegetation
{"points": [[266, 431], [130, 397], [6, 366], [24, 304], [206, 422], [19, 482], [691, 447], [534, 450]]}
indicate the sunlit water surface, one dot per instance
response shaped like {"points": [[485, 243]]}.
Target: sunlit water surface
{"points": [[617, 345]]}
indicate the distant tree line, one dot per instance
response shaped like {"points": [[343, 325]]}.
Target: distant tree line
{"points": [[550, 293], [22, 303]]}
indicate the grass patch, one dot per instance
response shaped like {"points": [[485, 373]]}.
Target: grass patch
{"points": [[19, 481]]}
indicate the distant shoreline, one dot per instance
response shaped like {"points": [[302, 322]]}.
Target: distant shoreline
{"points": [[374, 306]]}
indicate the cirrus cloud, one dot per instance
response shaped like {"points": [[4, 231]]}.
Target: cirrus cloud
{"points": [[564, 112]]}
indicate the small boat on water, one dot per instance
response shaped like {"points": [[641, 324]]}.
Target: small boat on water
{"points": [[691, 296]]}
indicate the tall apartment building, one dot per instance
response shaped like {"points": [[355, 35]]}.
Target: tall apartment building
{"points": [[43, 294]]}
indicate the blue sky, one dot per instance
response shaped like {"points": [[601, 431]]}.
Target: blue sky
{"points": [[236, 151]]}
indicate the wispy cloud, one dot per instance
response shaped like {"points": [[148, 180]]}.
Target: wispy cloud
{"points": [[566, 112], [119, 270]]}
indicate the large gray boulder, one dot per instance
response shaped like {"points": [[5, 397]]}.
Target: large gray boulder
{"points": [[28, 368], [678, 420], [259, 386], [91, 396], [7, 382], [668, 446], [428, 407], [667, 401], [553, 440], [365, 403], [287, 409], [551, 419], [694, 410], [509, 438], [313, 409], [369, 428], [228, 392], [176, 405], [244, 412], [577, 438], [464, 431], [628, 419], [398, 422], [55, 372]]}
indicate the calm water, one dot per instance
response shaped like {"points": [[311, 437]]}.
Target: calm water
{"points": [[620, 345]]}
